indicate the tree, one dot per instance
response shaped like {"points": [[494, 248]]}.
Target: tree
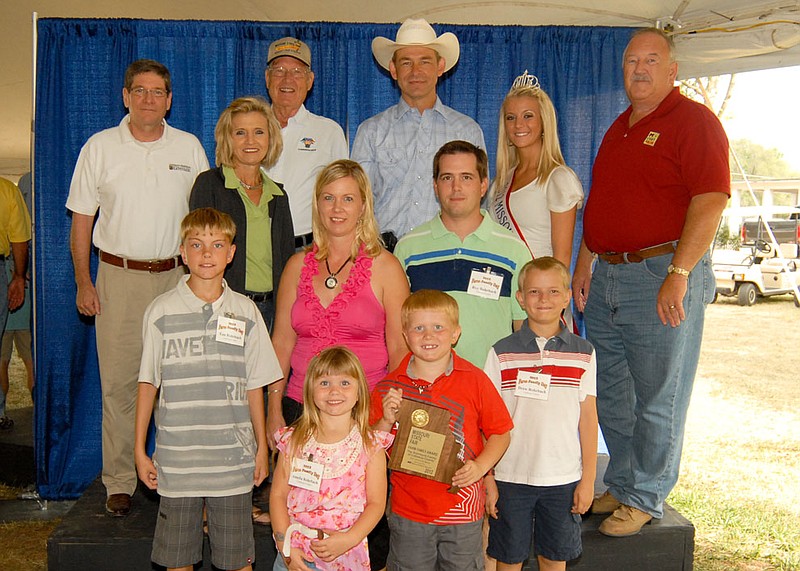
{"points": [[759, 161], [708, 91]]}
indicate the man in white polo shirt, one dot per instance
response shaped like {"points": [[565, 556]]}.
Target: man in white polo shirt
{"points": [[310, 142], [138, 175]]}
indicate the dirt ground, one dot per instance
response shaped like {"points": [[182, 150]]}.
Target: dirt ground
{"points": [[742, 445]]}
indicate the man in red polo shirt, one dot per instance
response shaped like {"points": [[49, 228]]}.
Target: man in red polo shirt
{"points": [[659, 185]]}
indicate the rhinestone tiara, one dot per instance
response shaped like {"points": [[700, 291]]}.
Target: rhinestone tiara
{"points": [[526, 80]]}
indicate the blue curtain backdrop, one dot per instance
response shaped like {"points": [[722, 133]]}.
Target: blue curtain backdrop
{"points": [[80, 71]]}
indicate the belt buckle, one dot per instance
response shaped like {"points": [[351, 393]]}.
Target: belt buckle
{"points": [[156, 266], [625, 259]]}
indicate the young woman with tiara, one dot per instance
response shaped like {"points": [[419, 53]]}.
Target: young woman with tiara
{"points": [[534, 193]]}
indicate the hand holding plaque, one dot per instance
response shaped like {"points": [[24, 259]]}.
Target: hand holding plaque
{"points": [[424, 445]]}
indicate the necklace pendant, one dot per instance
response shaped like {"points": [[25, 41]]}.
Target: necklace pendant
{"points": [[331, 282]]}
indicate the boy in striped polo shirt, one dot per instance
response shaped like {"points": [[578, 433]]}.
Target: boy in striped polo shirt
{"points": [[546, 377], [207, 356]]}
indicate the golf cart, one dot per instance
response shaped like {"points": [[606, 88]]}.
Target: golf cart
{"points": [[759, 270]]}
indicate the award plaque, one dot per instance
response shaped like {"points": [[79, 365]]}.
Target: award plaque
{"points": [[424, 444]]}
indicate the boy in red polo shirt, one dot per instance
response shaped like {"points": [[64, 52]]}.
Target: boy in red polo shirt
{"points": [[430, 526]]}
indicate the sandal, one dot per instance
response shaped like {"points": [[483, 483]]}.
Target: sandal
{"points": [[260, 517]]}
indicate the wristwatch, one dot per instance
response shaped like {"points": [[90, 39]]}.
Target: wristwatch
{"points": [[676, 270]]}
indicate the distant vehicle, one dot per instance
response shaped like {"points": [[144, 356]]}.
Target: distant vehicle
{"points": [[757, 271], [784, 223]]}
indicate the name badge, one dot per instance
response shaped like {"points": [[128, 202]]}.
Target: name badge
{"points": [[532, 385], [485, 284], [231, 331], [306, 474]]}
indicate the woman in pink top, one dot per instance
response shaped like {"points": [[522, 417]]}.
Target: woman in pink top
{"points": [[345, 290]]}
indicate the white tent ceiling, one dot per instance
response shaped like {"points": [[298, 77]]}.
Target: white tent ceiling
{"points": [[713, 36]]}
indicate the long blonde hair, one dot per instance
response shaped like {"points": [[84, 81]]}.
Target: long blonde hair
{"points": [[367, 229], [336, 360], [507, 155]]}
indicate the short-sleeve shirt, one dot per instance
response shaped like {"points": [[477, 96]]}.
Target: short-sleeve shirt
{"points": [[545, 446], [15, 222], [476, 412], [310, 142], [435, 258], [205, 445], [646, 174], [342, 496], [141, 189], [526, 211]]}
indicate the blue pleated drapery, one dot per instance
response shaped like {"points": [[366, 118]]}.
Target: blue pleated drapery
{"points": [[80, 71]]}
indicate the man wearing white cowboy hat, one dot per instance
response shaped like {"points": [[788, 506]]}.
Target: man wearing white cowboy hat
{"points": [[396, 147]]}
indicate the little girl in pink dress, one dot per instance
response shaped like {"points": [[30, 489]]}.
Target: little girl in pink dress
{"points": [[329, 488]]}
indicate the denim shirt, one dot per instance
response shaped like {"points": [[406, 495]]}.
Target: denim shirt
{"points": [[396, 149]]}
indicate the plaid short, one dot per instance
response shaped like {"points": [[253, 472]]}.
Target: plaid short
{"points": [[178, 540]]}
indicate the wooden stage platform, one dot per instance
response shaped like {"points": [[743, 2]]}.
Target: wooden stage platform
{"points": [[89, 539]]}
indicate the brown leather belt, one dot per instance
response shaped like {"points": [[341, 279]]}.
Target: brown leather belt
{"points": [[152, 266], [637, 256]]}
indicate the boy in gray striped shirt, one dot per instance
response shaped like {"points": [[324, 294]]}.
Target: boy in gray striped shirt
{"points": [[207, 356]]}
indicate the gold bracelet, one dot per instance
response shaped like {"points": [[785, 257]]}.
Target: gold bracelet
{"points": [[270, 391]]}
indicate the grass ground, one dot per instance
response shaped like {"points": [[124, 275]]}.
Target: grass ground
{"points": [[740, 475]]}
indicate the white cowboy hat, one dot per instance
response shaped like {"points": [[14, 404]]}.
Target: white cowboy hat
{"points": [[417, 33]]}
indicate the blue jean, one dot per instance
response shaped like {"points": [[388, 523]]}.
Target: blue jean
{"points": [[538, 513], [267, 310], [280, 564], [3, 317], [645, 373]]}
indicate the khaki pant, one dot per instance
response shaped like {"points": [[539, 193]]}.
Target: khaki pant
{"points": [[124, 296]]}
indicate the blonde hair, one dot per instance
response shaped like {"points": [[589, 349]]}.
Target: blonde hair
{"points": [[544, 264], [222, 132], [367, 229], [507, 155], [336, 360], [429, 300], [201, 218]]}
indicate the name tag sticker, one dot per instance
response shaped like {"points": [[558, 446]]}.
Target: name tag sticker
{"points": [[231, 331], [306, 474], [532, 385], [485, 284]]}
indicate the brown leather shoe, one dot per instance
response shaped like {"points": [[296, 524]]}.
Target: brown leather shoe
{"points": [[118, 505], [605, 504], [625, 521]]}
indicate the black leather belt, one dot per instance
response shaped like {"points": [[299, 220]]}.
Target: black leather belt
{"points": [[259, 296], [304, 240]]}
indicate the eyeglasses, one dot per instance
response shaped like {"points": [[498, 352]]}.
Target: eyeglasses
{"points": [[295, 72], [141, 92]]}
